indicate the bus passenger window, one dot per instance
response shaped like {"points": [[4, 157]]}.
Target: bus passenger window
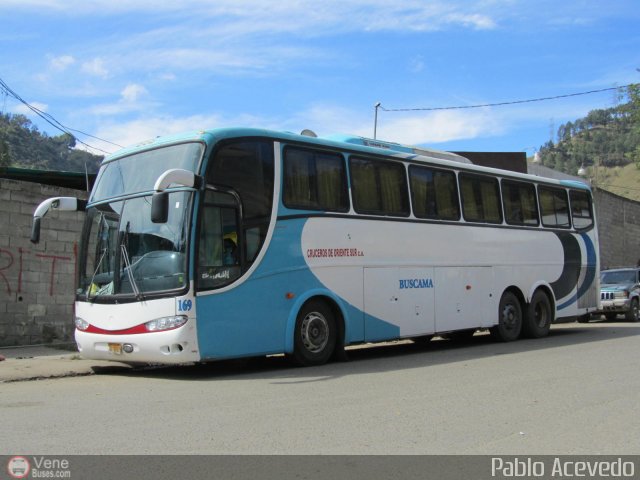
{"points": [[581, 209], [434, 193], [379, 187], [315, 181], [520, 207], [554, 207], [480, 199]]}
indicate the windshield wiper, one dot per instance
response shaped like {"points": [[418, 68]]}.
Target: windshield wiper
{"points": [[129, 270], [127, 264]]}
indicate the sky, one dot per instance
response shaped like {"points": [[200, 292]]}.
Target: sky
{"points": [[128, 71]]}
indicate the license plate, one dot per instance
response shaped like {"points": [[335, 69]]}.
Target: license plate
{"points": [[115, 348]]}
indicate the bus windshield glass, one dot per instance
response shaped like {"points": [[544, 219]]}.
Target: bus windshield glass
{"points": [[124, 253], [138, 173]]}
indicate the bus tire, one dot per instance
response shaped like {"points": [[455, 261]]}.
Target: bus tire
{"points": [[315, 334], [537, 321], [509, 319]]}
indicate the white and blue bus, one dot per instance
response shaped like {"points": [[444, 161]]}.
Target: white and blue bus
{"points": [[233, 243]]}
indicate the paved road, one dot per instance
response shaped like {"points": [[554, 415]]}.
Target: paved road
{"points": [[577, 391]]}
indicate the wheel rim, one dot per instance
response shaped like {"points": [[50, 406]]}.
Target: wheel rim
{"points": [[509, 317], [635, 309], [315, 332]]}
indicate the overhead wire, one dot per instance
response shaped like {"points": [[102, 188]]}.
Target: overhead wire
{"points": [[51, 120], [499, 104]]}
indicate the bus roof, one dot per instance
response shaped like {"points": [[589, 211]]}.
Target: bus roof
{"points": [[383, 147], [340, 141], [397, 147]]}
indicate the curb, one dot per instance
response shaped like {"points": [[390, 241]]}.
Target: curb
{"points": [[26, 368]]}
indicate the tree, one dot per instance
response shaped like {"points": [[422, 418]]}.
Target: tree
{"points": [[633, 93], [607, 137], [30, 148], [5, 156]]}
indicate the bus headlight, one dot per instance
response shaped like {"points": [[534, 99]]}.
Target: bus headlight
{"points": [[166, 323], [81, 324]]}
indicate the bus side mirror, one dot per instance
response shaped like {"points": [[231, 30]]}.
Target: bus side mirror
{"points": [[160, 207], [35, 230], [66, 204], [160, 199]]}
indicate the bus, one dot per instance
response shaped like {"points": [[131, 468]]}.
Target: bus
{"points": [[233, 243]]}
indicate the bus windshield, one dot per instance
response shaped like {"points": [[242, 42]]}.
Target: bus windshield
{"points": [[138, 173], [124, 253]]}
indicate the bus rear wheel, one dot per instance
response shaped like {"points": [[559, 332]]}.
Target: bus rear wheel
{"points": [[509, 319], [314, 335], [538, 319]]}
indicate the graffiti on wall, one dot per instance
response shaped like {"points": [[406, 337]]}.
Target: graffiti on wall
{"points": [[12, 262]]}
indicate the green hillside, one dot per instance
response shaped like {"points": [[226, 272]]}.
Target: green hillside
{"points": [[623, 181], [23, 145], [605, 145]]}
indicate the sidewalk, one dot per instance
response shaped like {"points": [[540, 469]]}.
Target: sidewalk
{"points": [[40, 362]]}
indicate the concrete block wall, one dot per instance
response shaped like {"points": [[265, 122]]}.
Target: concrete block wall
{"points": [[37, 282], [618, 229]]}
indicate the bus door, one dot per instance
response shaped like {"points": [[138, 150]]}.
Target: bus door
{"points": [[464, 298], [219, 258], [398, 302]]}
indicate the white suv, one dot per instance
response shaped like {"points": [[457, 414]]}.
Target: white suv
{"points": [[620, 293]]}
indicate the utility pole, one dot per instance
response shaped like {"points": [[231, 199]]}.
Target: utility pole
{"points": [[375, 120]]}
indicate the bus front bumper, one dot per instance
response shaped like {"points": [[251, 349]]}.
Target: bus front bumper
{"points": [[168, 347]]}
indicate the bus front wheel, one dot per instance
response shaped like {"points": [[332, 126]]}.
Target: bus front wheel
{"points": [[315, 334], [509, 319]]}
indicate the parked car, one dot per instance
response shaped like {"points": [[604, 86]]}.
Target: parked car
{"points": [[620, 293]]}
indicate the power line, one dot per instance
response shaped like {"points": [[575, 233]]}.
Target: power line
{"points": [[52, 121], [500, 104]]}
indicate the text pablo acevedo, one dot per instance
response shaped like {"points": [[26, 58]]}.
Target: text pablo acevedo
{"points": [[561, 468]]}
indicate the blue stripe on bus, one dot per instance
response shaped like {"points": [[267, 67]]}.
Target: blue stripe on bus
{"points": [[590, 274], [566, 283], [568, 302], [256, 318]]}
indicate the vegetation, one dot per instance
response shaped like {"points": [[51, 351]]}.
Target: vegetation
{"points": [[605, 144], [23, 145], [607, 137]]}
